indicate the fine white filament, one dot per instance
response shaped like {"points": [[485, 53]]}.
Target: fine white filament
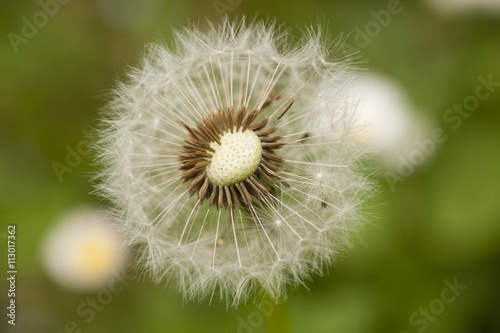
{"points": [[281, 238]]}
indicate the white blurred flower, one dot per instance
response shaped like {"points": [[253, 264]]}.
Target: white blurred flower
{"points": [[460, 7], [386, 120], [230, 160], [81, 251]]}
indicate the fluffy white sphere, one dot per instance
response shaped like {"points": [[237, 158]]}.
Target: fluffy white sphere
{"points": [[386, 121], [284, 219], [82, 251]]}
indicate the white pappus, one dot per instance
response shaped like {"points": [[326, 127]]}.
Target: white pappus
{"points": [[231, 162]]}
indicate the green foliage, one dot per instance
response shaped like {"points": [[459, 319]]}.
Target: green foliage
{"points": [[441, 223]]}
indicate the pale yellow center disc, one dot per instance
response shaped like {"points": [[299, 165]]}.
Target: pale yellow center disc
{"points": [[235, 159]]}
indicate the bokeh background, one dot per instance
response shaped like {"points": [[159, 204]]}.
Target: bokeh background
{"points": [[440, 223]]}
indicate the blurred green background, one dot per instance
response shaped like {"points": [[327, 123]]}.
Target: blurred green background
{"points": [[441, 223]]}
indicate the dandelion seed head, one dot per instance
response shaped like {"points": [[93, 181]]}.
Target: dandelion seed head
{"points": [[82, 251], [386, 120], [229, 160]]}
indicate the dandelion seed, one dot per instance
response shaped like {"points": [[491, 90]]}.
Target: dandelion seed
{"points": [[230, 160]]}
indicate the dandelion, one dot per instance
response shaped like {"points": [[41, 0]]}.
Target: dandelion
{"points": [[82, 251], [386, 121], [231, 162]]}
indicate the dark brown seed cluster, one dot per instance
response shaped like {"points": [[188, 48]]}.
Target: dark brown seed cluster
{"points": [[196, 154]]}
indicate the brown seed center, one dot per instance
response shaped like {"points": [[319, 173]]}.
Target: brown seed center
{"points": [[215, 142]]}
